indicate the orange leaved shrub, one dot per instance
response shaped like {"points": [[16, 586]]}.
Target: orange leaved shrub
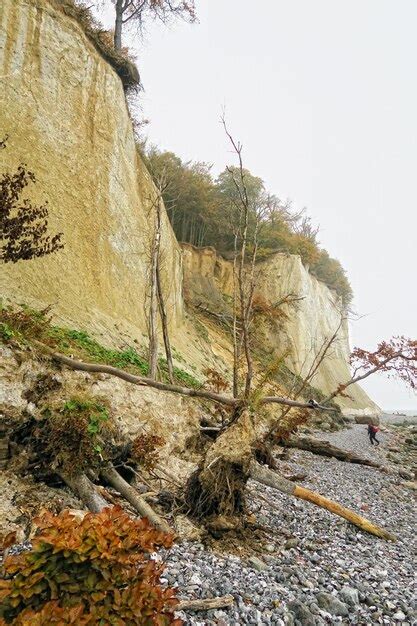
{"points": [[96, 570]]}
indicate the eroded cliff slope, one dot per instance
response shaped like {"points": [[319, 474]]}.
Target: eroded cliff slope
{"points": [[309, 324], [63, 108]]}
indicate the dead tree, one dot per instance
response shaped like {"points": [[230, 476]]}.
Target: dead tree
{"points": [[164, 324], [157, 298], [218, 485], [243, 278], [153, 303]]}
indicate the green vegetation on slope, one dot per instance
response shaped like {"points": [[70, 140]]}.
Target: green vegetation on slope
{"points": [[202, 211], [26, 324]]}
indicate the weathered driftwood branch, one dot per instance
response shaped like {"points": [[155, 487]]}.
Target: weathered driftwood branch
{"points": [[325, 448], [271, 479], [132, 496], [185, 391], [206, 604], [85, 489], [131, 378]]}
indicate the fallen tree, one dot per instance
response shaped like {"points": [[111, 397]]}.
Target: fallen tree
{"points": [[218, 485], [268, 477], [325, 448]]}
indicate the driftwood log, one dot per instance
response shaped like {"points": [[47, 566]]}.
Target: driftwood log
{"points": [[325, 448], [268, 477]]}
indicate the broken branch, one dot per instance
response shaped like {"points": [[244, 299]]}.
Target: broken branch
{"points": [[132, 496]]}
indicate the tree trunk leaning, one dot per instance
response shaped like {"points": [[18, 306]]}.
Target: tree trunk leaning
{"points": [[164, 323], [271, 479], [85, 489], [132, 496]]}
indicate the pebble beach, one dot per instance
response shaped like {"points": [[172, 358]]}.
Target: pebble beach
{"points": [[316, 568]]}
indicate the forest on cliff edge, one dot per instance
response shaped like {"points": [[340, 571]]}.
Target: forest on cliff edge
{"points": [[201, 209]]}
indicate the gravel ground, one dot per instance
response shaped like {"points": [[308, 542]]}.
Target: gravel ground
{"points": [[314, 568], [317, 568], [356, 438]]}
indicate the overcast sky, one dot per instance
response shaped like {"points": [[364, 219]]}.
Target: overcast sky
{"points": [[323, 96]]}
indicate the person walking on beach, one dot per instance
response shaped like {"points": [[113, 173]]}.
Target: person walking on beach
{"points": [[372, 431]]}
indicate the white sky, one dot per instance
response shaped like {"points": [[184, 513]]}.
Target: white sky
{"points": [[323, 96]]}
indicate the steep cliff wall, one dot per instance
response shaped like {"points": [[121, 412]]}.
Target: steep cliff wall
{"points": [[63, 107], [309, 324]]}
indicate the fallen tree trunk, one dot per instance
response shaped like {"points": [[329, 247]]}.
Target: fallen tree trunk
{"points": [[132, 496], [325, 448], [206, 604], [184, 391], [85, 489], [271, 479], [131, 378]]}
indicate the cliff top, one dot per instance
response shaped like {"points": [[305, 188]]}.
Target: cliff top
{"points": [[102, 41]]}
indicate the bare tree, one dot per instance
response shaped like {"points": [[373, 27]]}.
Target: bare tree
{"points": [[140, 11], [164, 322], [157, 299], [153, 304], [243, 269]]}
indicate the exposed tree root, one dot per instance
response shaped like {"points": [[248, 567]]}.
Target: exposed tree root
{"points": [[324, 448], [132, 496], [221, 495], [268, 477]]}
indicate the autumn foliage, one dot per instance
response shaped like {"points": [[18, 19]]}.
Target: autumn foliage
{"points": [[96, 570], [23, 225], [145, 450], [397, 357]]}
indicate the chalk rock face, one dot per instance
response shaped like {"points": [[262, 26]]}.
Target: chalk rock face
{"points": [[63, 107], [308, 325]]}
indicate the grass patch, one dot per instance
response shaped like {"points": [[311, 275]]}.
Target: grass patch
{"points": [[68, 341], [25, 324]]}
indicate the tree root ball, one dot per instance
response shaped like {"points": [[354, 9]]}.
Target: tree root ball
{"points": [[217, 490]]}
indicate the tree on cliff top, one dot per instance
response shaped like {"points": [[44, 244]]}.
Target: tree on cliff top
{"points": [[23, 225], [142, 11], [205, 210]]}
